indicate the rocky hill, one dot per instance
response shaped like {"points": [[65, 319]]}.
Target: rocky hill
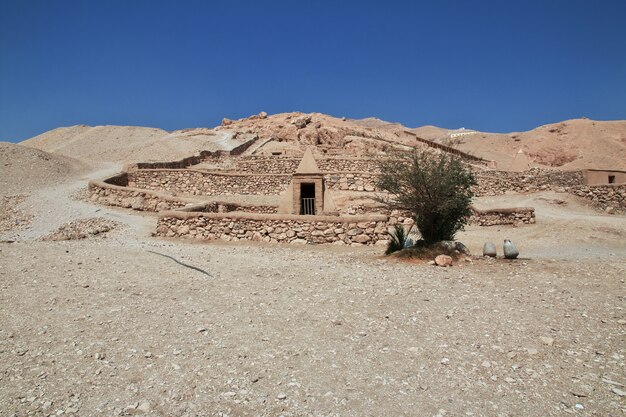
{"points": [[572, 144], [568, 145]]}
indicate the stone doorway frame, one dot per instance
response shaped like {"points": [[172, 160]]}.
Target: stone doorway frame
{"points": [[318, 182]]}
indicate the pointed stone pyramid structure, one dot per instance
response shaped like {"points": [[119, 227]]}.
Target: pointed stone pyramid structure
{"points": [[520, 162], [306, 194], [308, 164]]}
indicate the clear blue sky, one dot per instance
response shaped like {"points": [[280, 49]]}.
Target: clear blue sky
{"points": [[489, 65]]}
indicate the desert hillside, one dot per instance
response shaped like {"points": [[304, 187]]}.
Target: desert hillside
{"points": [[288, 132], [23, 169], [568, 145], [125, 144]]}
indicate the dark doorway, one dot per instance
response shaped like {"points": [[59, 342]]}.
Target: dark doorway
{"points": [[611, 179], [307, 198]]}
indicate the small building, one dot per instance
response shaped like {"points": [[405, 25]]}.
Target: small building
{"points": [[604, 176], [307, 193], [520, 163]]}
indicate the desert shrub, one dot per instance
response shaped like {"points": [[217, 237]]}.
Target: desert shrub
{"points": [[435, 186]]}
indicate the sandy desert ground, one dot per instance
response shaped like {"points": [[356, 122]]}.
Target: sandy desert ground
{"points": [[121, 323]]}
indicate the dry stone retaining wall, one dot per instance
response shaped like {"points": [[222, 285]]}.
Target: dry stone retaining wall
{"points": [[282, 165], [607, 197], [354, 181], [357, 230], [195, 182], [517, 216], [499, 182], [137, 199], [144, 200]]}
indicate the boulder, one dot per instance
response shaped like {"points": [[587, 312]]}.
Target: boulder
{"points": [[489, 249], [301, 122], [226, 122], [361, 239], [443, 260], [510, 250]]}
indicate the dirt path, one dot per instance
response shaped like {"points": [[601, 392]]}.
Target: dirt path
{"points": [[565, 228], [55, 206]]}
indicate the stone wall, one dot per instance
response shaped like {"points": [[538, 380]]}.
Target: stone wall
{"points": [[137, 199], [354, 181], [517, 216], [609, 198], [198, 158], [120, 179], [499, 182], [283, 165], [196, 182], [356, 230]]}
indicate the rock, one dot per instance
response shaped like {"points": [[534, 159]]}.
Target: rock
{"points": [[408, 243], [281, 396], [462, 248], [489, 249], [443, 260], [618, 391], [301, 122], [548, 341], [445, 361], [144, 406], [226, 122], [361, 239], [298, 242], [262, 115], [510, 250]]}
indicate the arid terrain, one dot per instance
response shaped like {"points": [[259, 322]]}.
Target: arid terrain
{"points": [[99, 318]]}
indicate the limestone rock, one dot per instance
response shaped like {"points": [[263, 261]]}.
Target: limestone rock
{"points": [[443, 260], [301, 122], [489, 249], [361, 239], [510, 250]]}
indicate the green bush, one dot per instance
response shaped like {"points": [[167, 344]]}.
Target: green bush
{"points": [[434, 186]]}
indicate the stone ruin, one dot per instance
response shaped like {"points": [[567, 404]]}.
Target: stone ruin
{"points": [[307, 199]]}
